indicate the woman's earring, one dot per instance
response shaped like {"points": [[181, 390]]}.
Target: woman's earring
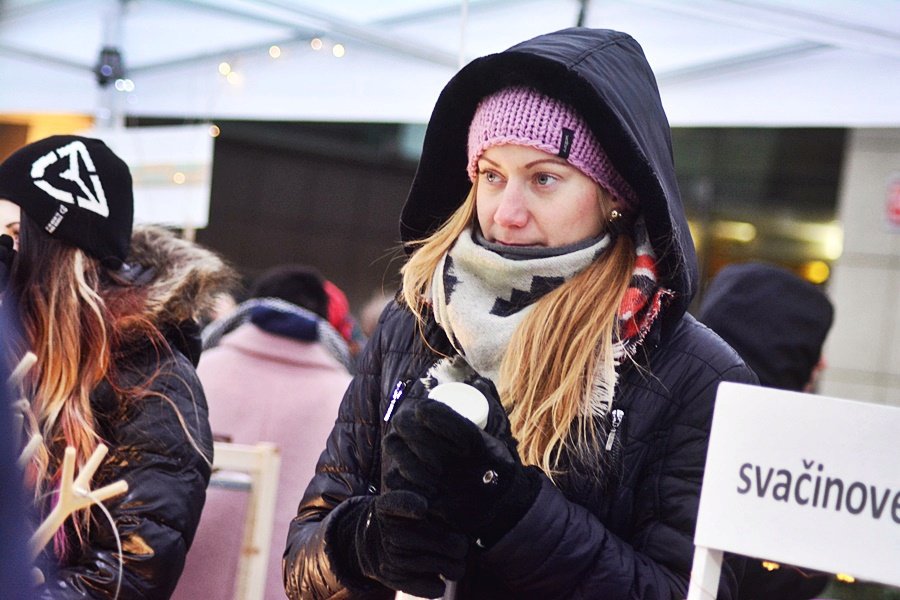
{"points": [[615, 223]]}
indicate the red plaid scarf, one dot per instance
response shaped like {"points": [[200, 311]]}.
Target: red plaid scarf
{"points": [[643, 300]]}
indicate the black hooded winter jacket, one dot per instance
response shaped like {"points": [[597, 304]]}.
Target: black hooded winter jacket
{"points": [[159, 443], [623, 533]]}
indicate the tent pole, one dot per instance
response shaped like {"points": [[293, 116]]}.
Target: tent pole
{"points": [[110, 68], [463, 26], [582, 13]]}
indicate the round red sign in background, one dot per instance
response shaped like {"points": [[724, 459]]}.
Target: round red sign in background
{"points": [[892, 205]]}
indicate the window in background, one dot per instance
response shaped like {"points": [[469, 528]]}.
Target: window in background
{"points": [[762, 194]]}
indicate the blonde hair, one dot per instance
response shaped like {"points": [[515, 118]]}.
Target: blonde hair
{"points": [[74, 318], [547, 374], [65, 323]]}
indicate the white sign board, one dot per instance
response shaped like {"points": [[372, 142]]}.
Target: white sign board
{"points": [[171, 167], [803, 479]]}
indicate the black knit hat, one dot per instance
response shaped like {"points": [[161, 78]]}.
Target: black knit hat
{"points": [[76, 189], [775, 320]]}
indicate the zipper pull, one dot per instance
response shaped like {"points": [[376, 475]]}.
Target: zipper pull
{"points": [[399, 388], [617, 416]]}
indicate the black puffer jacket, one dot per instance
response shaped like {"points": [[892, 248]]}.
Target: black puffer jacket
{"points": [[160, 443], [623, 533], [586, 539]]}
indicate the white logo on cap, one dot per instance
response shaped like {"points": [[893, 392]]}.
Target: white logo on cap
{"points": [[93, 200]]}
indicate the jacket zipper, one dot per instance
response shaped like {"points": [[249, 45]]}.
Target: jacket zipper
{"points": [[617, 416], [396, 395]]}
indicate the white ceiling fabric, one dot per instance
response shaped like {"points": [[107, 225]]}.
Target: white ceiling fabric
{"points": [[719, 62]]}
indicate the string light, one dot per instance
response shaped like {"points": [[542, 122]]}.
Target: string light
{"points": [[735, 231], [845, 578], [226, 70], [770, 566], [816, 271], [178, 177], [214, 131]]}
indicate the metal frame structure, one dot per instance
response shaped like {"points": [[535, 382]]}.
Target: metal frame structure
{"points": [[709, 44]]}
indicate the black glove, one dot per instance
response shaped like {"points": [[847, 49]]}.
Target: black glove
{"points": [[472, 480], [7, 254], [390, 538], [497, 422]]}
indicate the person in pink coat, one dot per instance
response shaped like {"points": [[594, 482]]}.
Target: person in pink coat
{"points": [[274, 371]]}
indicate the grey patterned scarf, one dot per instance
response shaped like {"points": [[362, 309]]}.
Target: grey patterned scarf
{"points": [[480, 296]]}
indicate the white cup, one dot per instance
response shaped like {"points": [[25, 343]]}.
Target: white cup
{"points": [[465, 399], [469, 402], [449, 594]]}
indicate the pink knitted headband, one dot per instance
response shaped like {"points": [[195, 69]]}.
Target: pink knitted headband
{"points": [[526, 117]]}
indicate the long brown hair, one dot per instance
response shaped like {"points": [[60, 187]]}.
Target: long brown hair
{"points": [[547, 374], [72, 318]]}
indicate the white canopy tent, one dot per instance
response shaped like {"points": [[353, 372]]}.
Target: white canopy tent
{"points": [[719, 62]]}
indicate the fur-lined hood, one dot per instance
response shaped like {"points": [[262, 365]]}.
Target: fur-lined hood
{"points": [[182, 279]]}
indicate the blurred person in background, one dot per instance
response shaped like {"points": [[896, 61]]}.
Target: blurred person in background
{"points": [[110, 313], [371, 311], [9, 239], [270, 378], [778, 323], [341, 318], [9, 219]]}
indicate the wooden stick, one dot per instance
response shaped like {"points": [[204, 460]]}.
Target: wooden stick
{"points": [[705, 573], [74, 494], [29, 449], [14, 381], [18, 375]]}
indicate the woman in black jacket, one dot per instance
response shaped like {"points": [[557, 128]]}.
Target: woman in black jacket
{"points": [[110, 315], [551, 268]]}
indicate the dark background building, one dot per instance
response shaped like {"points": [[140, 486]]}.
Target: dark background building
{"points": [[330, 194]]}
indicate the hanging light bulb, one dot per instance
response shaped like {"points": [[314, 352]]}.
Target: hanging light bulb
{"points": [[110, 66]]}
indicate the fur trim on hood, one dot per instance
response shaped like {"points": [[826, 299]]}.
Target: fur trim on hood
{"points": [[182, 278]]}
